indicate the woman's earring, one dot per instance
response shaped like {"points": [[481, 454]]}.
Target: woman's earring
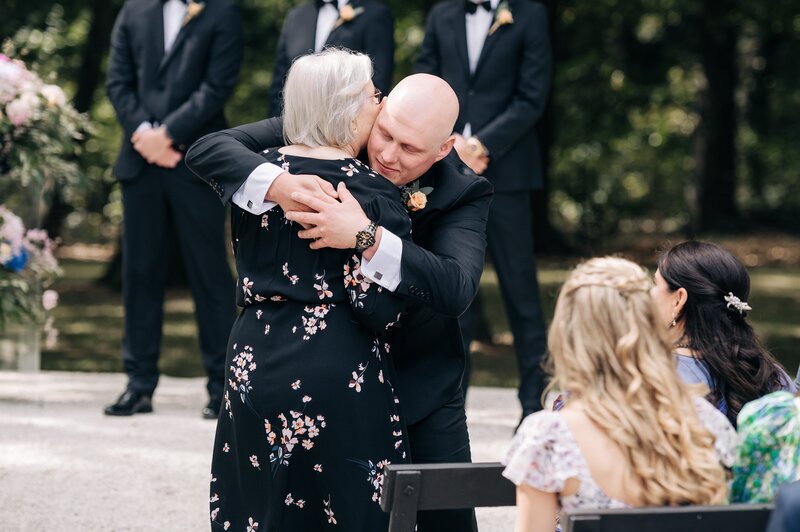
{"points": [[674, 321]]}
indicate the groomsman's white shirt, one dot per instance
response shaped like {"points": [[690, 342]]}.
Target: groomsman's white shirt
{"points": [[174, 11], [384, 268], [326, 18], [478, 25]]}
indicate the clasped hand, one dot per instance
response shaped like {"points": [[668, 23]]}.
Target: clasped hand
{"points": [[155, 146], [477, 163], [330, 217]]}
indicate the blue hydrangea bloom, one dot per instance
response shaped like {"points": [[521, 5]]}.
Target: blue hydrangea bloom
{"points": [[17, 262]]}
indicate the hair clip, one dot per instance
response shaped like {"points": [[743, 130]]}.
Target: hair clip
{"points": [[736, 303]]}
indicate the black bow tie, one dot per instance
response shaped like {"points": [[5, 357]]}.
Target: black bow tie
{"points": [[471, 7], [322, 3], [182, 1]]}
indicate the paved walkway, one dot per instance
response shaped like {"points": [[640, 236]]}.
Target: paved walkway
{"points": [[64, 466]]}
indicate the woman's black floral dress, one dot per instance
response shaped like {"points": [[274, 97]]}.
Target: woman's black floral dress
{"points": [[310, 418]]}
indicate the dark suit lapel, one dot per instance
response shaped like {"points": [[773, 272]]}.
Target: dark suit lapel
{"points": [[435, 198], [488, 44], [356, 4], [487, 47], [185, 30], [155, 20], [458, 22], [428, 179], [308, 29], [492, 39]]}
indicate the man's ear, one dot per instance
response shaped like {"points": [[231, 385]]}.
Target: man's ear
{"points": [[445, 148]]}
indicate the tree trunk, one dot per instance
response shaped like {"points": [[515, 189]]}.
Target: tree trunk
{"points": [[715, 141], [758, 112], [94, 49], [547, 238]]}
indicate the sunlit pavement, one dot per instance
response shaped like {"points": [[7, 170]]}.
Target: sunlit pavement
{"points": [[66, 466]]}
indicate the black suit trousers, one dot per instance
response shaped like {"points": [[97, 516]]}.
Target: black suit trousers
{"points": [[153, 201], [510, 243], [442, 437]]}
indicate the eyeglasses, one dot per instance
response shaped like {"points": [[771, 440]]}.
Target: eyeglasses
{"points": [[377, 96]]}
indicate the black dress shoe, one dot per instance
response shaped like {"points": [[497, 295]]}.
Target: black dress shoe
{"points": [[129, 403], [211, 411]]}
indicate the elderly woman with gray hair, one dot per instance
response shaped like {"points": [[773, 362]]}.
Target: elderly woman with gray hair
{"points": [[311, 418]]}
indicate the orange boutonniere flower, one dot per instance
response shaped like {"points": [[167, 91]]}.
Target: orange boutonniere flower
{"points": [[417, 201], [502, 17], [193, 10], [415, 198], [348, 13]]}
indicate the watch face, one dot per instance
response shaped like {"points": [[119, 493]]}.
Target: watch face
{"points": [[366, 238]]}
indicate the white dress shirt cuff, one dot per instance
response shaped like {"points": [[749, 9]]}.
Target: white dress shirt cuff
{"points": [[250, 195], [144, 126], [385, 268]]}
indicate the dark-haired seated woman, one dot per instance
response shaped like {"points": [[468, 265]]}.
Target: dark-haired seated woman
{"points": [[701, 291]]}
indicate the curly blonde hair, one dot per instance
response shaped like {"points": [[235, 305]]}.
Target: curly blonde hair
{"points": [[607, 347]]}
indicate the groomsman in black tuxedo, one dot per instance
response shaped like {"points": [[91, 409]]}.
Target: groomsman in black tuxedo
{"points": [[365, 26], [172, 67], [496, 56]]}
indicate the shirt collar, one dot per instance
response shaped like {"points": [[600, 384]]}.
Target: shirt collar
{"points": [[495, 3]]}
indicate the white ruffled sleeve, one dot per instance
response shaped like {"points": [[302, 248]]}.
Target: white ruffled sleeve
{"points": [[718, 425], [543, 453]]}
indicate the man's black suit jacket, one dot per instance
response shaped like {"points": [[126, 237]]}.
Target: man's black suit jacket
{"points": [[505, 96], [371, 32], [441, 269], [184, 89]]}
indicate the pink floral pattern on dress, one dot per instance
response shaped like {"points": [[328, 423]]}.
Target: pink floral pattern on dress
{"points": [[243, 365], [309, 336], [302, 430]]}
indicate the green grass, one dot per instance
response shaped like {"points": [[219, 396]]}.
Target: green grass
{"points": [[89, 318], [90, 322]]}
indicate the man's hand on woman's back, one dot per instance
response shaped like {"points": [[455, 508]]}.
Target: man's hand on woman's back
{"points": [[286, 184]]}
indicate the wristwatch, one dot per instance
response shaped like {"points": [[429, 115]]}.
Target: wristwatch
{"points": [[365, 238]]}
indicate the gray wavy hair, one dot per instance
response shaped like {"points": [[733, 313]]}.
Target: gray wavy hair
{"points": [[322, 97]]}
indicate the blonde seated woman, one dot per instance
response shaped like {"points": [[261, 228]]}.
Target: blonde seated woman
{"points": [[631, 432]]}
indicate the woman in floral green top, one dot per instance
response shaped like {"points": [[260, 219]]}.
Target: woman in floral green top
{"points": [[769, 447]]}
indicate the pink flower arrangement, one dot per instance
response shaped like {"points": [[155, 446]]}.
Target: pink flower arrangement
{"points": [[39, 129], [27, 266], [17, 82]]}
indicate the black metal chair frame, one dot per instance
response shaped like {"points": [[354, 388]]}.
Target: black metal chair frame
{"points": [[409, 488]]}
